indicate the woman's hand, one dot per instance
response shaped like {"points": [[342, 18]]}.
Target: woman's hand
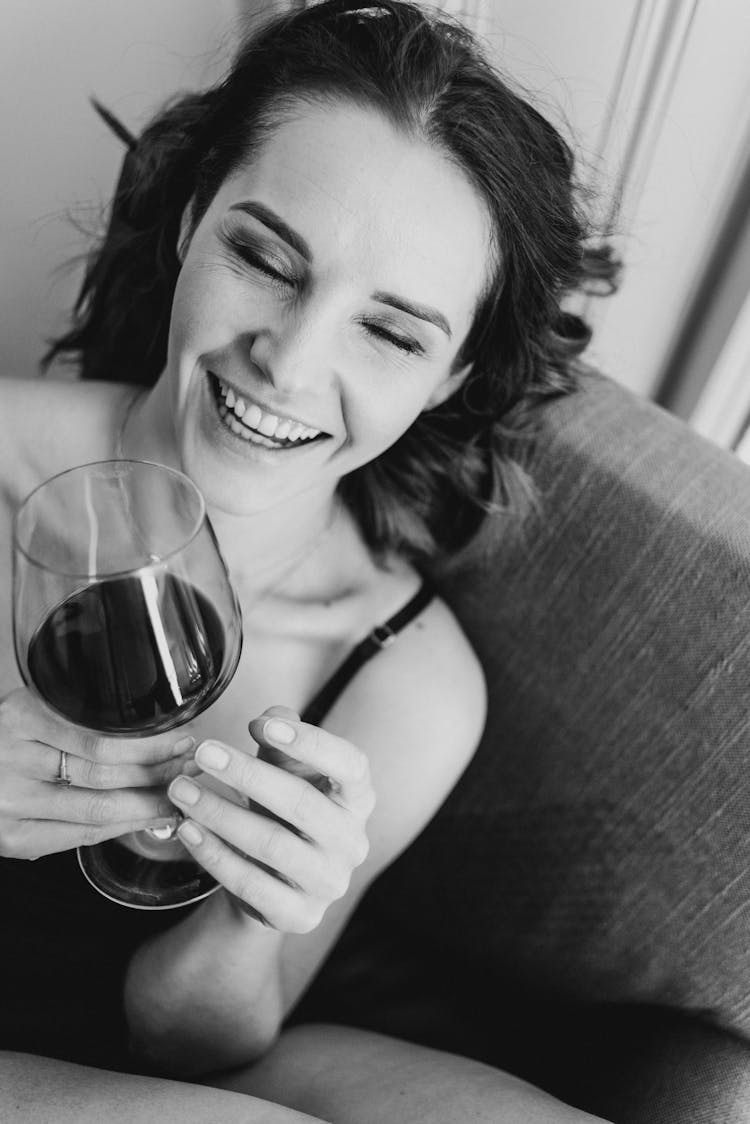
{"points": [[291, 853], [110, 781]]}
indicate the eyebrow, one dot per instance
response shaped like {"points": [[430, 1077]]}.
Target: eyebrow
{"points": [[275, 223], [420, 311]]}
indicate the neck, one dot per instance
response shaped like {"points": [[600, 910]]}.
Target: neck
{"points": [[263, 548], [271, 549]]}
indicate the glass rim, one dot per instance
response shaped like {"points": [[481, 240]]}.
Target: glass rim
{"points": [[200, 521]]}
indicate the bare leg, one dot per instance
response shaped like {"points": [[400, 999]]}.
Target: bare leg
{"points": [[36, 1090], [352, 1076]]}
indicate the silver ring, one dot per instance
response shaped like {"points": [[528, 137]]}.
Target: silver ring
{"points": [[63, 776]]}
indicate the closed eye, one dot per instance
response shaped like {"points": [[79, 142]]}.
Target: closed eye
{"points": [[403, 343], [252, 257]]}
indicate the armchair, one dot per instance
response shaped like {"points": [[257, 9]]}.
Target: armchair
{"points": [[578, 911]]}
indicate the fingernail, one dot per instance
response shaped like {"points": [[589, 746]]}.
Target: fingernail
{"points": [[190, 832], [277, 731], [162, 822], [163, 834], [189, 766], [184, 745], [184, 791], [211, 755]]}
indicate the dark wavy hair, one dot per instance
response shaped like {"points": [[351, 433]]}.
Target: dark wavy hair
{"points": [[428, 495]]}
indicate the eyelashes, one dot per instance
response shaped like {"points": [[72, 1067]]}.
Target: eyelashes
{"points": [[251, 257], [403, 343]]}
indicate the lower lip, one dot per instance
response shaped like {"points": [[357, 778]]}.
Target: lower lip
{"points": [[250, 443]]}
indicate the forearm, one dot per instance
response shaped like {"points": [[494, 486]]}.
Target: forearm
{"points": [[38, 1090], [206, 994]]}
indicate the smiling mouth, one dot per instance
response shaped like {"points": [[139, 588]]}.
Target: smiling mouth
{"points": [[259, 427]]}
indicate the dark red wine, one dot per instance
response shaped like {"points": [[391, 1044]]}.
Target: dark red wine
{"points": [[129, 655]]}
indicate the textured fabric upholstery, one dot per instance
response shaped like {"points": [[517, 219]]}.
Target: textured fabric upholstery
{"points": [[579, 909]]}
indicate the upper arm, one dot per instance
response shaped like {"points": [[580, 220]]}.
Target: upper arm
{"points": [[418, 711]]}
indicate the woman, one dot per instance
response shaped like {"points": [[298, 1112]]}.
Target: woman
{"points": [[329, 292]]}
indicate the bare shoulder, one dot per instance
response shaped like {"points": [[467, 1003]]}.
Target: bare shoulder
{"points": [[45, 407], [431, 668], [51, 424], [418, 710], [18, 396]]}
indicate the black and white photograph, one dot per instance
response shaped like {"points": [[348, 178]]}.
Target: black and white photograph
{"points": [[375, 562]]}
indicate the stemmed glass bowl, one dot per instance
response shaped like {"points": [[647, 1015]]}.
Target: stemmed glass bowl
{"points": [[126, 624]]}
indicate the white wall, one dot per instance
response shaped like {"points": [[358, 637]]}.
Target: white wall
{"points": [[702, 146], [58, 158], [565, 55]]}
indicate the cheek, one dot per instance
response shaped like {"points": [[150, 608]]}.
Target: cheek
{"points": [[379, 416], [193, 307], [185, 322], [191, 328], [210, 302]]}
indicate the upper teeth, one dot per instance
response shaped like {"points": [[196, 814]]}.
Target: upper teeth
{"points": [[270, 425]]}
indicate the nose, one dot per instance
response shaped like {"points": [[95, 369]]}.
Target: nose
{"points": [[295, 353]]}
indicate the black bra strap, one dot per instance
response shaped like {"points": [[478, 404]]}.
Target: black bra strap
{"points": [[382, 636]]}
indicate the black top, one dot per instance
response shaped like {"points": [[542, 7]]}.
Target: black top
{"points": [[64, 949]]}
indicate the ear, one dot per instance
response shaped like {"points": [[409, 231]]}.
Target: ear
{"points": [[447, 387], [186, 229]]}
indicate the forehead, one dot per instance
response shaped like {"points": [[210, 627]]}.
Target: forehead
{"points": [[387, 207]]}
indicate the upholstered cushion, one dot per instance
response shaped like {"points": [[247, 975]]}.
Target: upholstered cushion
{"points": [[588, 881]]}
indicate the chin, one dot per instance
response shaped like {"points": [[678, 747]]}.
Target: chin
{"points": [[234, 489]]}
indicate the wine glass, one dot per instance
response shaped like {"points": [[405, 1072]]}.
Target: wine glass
{"points": [[125, 623]]}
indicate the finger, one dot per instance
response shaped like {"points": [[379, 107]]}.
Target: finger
{"points": [[280, 906], [25, 718], [109, 750], [291, 798], [265, 840], [122, 751], [68, 804], [32, 839], [344, 764], [42, 762], [283, 760]]}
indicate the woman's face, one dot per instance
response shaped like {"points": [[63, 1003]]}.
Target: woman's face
{"points": [[322, 301]]}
